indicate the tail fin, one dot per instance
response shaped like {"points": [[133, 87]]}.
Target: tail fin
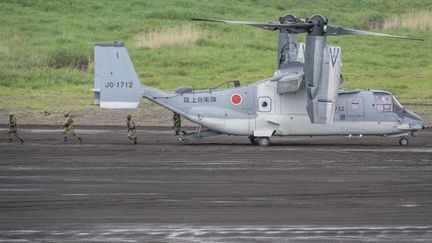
{"points": [[116, 84]]}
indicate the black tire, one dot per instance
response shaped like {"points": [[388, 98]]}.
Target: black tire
{"points": [[403, 141], [263, 141], [253, 140]]}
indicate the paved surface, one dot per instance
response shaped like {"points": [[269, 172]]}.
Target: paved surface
{"points": [[217, 190]]}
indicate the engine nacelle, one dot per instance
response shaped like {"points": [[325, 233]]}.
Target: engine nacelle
{"points": [[323, 78]]}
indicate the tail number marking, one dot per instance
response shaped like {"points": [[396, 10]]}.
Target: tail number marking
{"points": [[118, 84], [339, 109]]}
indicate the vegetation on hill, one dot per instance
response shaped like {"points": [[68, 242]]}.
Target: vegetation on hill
{"points": [[47, 46]]}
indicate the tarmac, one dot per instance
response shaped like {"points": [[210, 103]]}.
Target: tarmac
{"points": [[222, 189]]}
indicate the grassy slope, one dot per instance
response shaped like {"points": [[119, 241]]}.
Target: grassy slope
{"points": [[43, 42]]}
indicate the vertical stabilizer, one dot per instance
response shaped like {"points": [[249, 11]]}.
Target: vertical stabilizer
{"points": [[116, 84]]}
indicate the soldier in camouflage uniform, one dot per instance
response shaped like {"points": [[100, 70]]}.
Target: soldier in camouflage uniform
{"points": [[68, 127], [13, 128], [177, 123], [131, 129]]}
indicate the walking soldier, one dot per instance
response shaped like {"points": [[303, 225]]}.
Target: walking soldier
{"points": [[68, 127], [131, 129], [13, 128], [177, 123]]}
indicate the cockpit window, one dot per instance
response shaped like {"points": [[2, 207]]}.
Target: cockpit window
{"points": [[384, 102], [396, 104]]}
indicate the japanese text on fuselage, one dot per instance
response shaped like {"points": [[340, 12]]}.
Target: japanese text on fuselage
{"points": [[207, 99]]}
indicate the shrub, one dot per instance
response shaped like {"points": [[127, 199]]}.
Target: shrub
{"points": [[65, 58]]}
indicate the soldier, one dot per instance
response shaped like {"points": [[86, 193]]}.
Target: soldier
{"points": [[131, 129], [177, 123], [68, 127], [13, 128]]}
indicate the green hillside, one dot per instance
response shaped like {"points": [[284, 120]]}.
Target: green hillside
{"points": [[46, 46]]}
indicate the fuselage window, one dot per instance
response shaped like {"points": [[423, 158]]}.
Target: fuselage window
{"points": [[355, 105], [264, 104], [383, 103]]}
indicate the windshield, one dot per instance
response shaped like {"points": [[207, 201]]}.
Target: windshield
{"points": [[397, 105]]}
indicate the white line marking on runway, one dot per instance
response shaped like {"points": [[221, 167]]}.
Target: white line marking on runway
{"points": [[215, 233], [18, 190], [376, 150], [409, 205]]}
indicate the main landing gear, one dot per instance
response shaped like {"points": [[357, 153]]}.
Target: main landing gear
{"points": [[403, 141], [253, 140], [261, 141]]}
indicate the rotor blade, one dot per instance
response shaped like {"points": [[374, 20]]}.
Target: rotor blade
{"points": [[338, 30], [294, 27]]}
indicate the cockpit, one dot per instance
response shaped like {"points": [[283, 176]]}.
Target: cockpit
{"points": [[386, 102]]}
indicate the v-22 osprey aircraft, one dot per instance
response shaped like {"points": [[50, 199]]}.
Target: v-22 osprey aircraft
{"points": [[303, 97]]}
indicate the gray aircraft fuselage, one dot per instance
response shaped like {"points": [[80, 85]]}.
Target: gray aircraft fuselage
{"points": [[264, 112]]}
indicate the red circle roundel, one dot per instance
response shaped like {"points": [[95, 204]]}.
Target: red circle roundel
{"points": [[236, 99]]}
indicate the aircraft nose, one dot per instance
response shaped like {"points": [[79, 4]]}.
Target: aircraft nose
{"points": [[412, 122]]}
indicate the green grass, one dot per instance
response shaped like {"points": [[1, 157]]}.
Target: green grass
{"points": [[46, 47], [65, 98]]}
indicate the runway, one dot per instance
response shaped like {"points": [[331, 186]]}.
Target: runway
{"points": [[216, 190]]}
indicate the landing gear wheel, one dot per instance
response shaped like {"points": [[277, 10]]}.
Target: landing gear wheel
{"points": [[253, 140], [263, 141], [403, 141]]}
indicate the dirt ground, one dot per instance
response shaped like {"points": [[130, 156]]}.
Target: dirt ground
{"points": [[320, 189]]}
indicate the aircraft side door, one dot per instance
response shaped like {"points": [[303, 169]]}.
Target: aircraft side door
{"points": [[356, 114], [266, 121], [265, 107]]}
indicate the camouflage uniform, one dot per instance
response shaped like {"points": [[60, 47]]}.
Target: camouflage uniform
{"points": [[68, 127], [13, 128], [131, 129], [177, 123]]}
